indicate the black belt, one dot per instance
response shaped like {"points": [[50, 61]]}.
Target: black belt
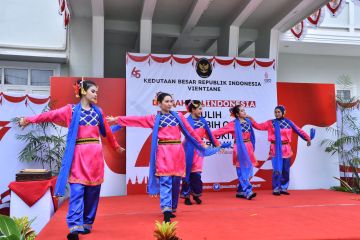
{"points": [[162, 142], [282, 142], [87, 140], [245, 140]]}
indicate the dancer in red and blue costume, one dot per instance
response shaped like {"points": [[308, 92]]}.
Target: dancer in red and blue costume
{"points": [[167, 158], [243, 152], [192, 183], [280, 132], [83, 161]]}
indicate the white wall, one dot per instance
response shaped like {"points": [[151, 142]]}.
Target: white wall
{"points": [[317, 69], [31, 23]]}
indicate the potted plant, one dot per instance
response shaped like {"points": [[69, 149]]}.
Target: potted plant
{"points": [[16, 229], [44, 144], [347, 139], [165, 231]]}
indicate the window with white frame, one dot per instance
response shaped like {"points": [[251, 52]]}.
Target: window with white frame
{"points": [[15, 76], [40, 77], [27, 77], [345, 93]]}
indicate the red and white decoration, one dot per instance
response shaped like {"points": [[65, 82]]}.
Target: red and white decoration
{"points": [[299, 30], [24, 98], [335, 7], [35, 200], [5, 203], [315, 19], [64, 10], [182, 59]]}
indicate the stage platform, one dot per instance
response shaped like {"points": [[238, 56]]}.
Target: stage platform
{"points": [[307, 214]]}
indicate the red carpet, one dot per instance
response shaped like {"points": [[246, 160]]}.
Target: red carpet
{"points": [[311, 214]]}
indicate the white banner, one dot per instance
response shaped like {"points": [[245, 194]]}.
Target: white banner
{"points": [[220, 83]]}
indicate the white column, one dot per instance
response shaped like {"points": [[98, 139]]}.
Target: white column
{"points": [[228, 43], [274, 44], [97, 38], [147, 13], [267, 44], [223, 41], [145, 35], [233, 48], [98, 46], [351, 16]]}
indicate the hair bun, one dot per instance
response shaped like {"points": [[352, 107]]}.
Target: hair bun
{"points": [[231, 110]]}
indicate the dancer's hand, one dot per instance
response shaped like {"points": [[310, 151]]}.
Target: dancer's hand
{"points": [[112, 119], [249, 117], [222, 150], [22, 122], [120, 149], [308, 143]]}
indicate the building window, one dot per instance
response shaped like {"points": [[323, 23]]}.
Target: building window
{"points": [[27, 77], [41, 77], [15, 76], [344, 95]]}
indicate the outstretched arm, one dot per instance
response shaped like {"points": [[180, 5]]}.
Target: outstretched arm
{"points": [[302, 134], [110, 137], [259, 126], [58, 116], [228, 128], [134, 121]]}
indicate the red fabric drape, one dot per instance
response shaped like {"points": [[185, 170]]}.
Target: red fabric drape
{"points": [[32, 191]]}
